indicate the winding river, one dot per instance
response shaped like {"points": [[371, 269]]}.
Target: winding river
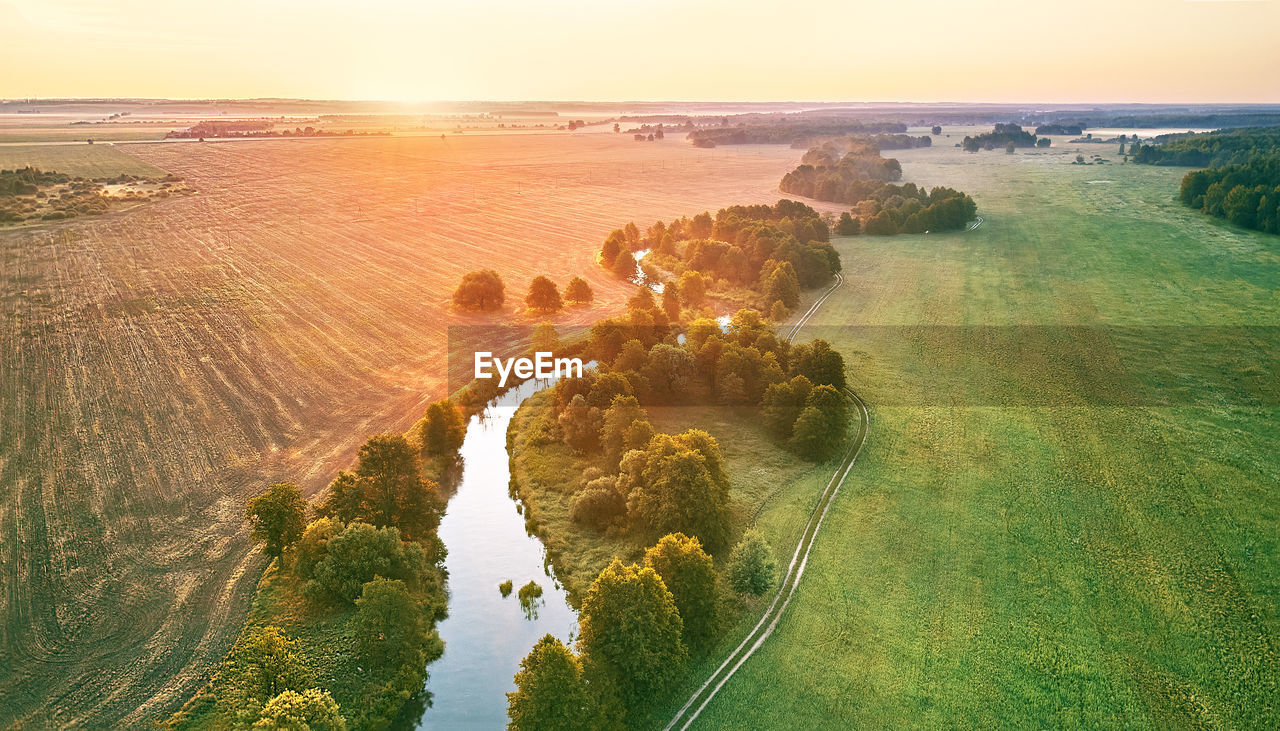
{"points": [[486, 635]]}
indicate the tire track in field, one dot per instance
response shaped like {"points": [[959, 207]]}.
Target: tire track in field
{"points": [[799, 560]]}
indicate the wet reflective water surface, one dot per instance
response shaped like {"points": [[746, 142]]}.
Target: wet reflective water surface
{"points": [[485, 634]]}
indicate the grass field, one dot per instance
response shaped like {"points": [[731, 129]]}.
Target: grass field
{"points": [[1036, 561], [85, 161], [162, 364]]}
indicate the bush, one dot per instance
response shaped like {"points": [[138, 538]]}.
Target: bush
{"points": [[752, 569], [479, 290], [391, 628], [313, 545], [361, 553], [598, 504], [312, 709]]}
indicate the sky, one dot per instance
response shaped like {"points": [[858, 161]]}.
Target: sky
{"points": [[603, 50]]}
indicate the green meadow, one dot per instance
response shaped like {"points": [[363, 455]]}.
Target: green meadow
{"points": [[1076, 527]]}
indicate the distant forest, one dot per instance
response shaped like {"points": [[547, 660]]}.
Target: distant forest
{"points": [[786, 133], [1242, 181], [1210, 149]]}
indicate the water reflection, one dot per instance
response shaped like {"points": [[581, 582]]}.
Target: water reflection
{"points": [[486, 635]]}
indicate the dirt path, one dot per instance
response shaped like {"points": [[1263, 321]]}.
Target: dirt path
{"points": [[799, 560]]}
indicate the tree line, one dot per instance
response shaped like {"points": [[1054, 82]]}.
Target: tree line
{"points": [[367, 562], [788, 132], [1246, 194], [484, 291], [638, 626], [772, 252]]}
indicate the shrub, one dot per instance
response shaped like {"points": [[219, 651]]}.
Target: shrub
{"points": [[313, 545], [361, 553], [312, 709], [752, 568], [598, 504]]}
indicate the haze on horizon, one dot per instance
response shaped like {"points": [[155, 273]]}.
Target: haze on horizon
{"points": [[813, 50]]}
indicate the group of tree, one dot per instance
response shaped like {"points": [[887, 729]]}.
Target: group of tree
{"points": [[1000, 136], [1242, 181], [1220, 148], [752, 247], [370, 557], [849, 179], [882, 208], [1246, 194], [483, 290], [637, 628]]}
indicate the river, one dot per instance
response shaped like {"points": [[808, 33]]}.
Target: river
{"points": [[486, 635]]}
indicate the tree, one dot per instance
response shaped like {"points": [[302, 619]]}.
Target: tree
{"points": [[580, 424], [314, 545], [578, 291], [848, 225], [443, 429], [632, 234], [677, 484], [937, 130], [390, 627], [752, 568], [479, 290], [543, 295], [550, 692], [598, 504], [819, 363], [782, 404], [671, 303], [624, 267], [690, 576], [361, 553], [623, 411], [277, 517], [344, 500], [613, 245], [882, 224], [393, 491], [269, 663], [693, 289], [782, 286], [311, 710], [817, 434], [629, 635]]}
